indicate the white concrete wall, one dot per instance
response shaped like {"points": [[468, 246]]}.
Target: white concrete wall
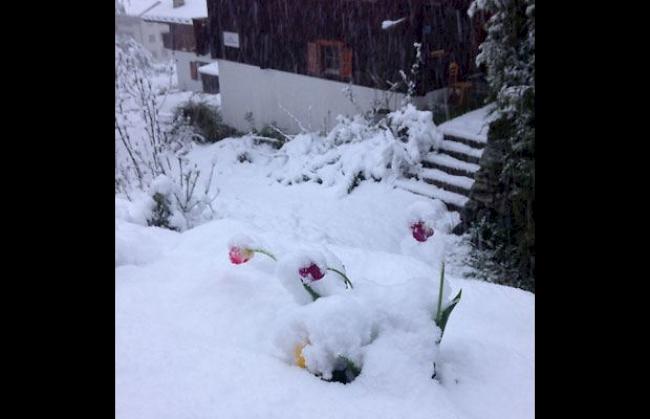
{"points": [[184, 73], [313, 101]]}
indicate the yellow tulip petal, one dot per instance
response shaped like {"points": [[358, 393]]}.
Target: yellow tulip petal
{"points": [[298, 356]]}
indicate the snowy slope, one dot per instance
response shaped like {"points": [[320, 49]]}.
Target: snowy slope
{"points": [[196, 337]]}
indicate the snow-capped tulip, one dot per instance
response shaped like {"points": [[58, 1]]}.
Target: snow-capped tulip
{"points": [[242, 249], [239, 255], [421, 231], [311, 272]]}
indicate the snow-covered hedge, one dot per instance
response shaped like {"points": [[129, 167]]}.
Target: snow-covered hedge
{"points": [[358, 149]]}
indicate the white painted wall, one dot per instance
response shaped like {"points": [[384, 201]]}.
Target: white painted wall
{"points": [[152, 40], [313, 101], [184, 73], [148, 34]]}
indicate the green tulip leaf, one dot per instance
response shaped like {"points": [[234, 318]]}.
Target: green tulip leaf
{"points": [[444, 316]]}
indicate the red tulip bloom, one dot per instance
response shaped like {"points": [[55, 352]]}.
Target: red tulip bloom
{"points": [[312, 272], [421, 232], [240, 255]]}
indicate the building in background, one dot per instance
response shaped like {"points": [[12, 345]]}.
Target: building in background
{"points": [[172, 29], [129, 22], [283, 60], [186, 37]]}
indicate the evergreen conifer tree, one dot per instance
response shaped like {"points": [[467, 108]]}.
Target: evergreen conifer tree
{"points": [[500, 213]]}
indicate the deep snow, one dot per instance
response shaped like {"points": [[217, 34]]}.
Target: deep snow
{"points": [[199, 337]]}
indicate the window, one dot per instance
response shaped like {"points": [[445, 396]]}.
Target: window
{"points": [[331, 55], [167, 40], [330, 59]]}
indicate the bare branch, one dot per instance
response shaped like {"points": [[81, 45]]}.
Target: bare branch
{"points": [[292, 116]]}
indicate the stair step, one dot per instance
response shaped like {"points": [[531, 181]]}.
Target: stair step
{"points": [[449, 164], [462, 157], [466, 141], [454, 201], [461, 148], [447, 187], [460, 151], [461, 182], [473, 125]]}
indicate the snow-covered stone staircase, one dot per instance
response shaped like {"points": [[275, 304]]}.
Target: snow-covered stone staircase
{"points": [[448, 173]]}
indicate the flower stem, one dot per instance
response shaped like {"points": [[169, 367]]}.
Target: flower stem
{"points": [[345, 278], [442, 279], [264, 252], [314, 294]]}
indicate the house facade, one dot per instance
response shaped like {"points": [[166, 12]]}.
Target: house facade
{"points": [[186, 37], [286, 61], [128, 22]]}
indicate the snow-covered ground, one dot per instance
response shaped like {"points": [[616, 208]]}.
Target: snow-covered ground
{"points": [[199, 337]]}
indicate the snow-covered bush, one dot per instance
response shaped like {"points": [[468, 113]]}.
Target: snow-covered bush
{"points": [[200, 121], [161, 213], [270, 133], [358, 149], [148, 154], [417, 129], [165, 212]]}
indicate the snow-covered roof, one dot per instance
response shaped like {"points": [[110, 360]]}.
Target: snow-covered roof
{"points": [[137, 7], [211, 69], [166, 12]]}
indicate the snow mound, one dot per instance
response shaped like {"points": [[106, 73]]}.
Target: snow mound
{"points": [[139, 245], [341, 326], [331, 327], [349, 325], [136, 211]]}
